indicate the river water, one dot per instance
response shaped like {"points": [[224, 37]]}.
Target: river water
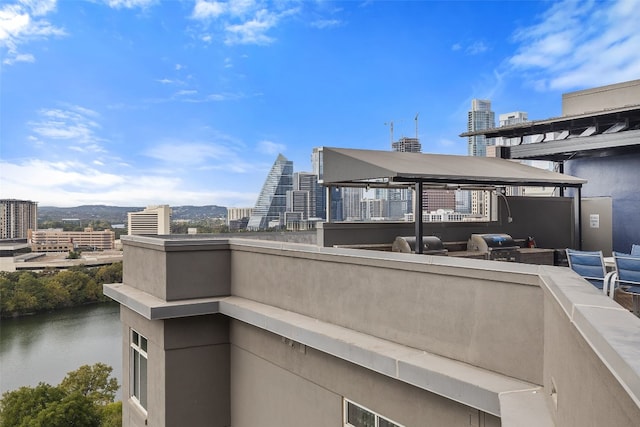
{"points": [[45, 347]]}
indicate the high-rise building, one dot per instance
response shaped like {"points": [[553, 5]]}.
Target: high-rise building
{"points": [[400, 200], [298, 201], [17, 217], [306, 181], [272, 201], [235, 214], [153, 220], [480, 117], [432, 200], [407, 145], [351, 207], [237, 218]]}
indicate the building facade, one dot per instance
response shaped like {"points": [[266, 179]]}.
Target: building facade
{"points": [[272, 201], [235, 214], [56, 240], [407, 145], [153, 220], [479, 117], [17, 217]]}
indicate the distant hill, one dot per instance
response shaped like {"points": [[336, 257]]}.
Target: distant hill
{"points": [[118, 214]]}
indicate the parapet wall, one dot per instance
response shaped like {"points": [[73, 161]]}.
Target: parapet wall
{"points": [[411, 318]]}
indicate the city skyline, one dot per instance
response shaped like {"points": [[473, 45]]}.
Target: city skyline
{"points": [[139, 102]]}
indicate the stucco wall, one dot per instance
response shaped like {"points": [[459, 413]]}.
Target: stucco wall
{"points": [[160, 270], [276, 383], [179, 396], [601, 98], [465, 310], [615, 177]]}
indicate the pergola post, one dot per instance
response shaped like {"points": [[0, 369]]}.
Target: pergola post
{"points": [[417, 217], [328, 203]]}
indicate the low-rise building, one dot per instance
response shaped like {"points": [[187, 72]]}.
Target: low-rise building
{"points": [[57, 240]]}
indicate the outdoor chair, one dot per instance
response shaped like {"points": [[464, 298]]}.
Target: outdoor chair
{"points": [[589, 265], [635, 250], [624, 282]]}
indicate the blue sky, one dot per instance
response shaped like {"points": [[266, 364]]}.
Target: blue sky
{"points": [[137, 102]]}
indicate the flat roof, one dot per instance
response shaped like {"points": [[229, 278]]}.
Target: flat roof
{"points": [[352, 167]]}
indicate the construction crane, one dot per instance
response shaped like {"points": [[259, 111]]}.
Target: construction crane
{"points": [[391, 129]]}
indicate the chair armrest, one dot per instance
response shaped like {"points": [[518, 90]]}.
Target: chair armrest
{"points": [[609, 285]]}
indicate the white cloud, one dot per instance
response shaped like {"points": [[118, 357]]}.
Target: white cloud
{"points": [[76, 126], [19, 57], [220, 155], [270, 147], [476, 48], [253, 31], [19, 25], [208, 9], [326, 23], [74, 184], [130, 4], [185, 154], [242, 21], [186, 92], [39, 7], [580, 44]]}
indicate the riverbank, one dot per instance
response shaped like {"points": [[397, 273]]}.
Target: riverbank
{"points": [[25, 293]]}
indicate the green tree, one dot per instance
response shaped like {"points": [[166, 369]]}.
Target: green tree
{"points": [[84, 398], [72, 410], [19, 407], [93, 382], [109, 273], [111, 415], [81, 287], [57, 295]]}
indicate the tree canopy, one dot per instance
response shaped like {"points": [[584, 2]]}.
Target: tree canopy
{"points": [[23, 292], [85, 397]]}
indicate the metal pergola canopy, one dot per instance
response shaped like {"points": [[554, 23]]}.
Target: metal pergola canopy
{"points": [[345, 167], [355, 167]]}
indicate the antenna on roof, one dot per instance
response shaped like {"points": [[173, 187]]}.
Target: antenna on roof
{"points": [[416, 119]]}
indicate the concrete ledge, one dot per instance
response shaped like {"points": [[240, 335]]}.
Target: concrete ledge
{"points": [[463, 383], [154, 308], [527, 408], [609, 329]]}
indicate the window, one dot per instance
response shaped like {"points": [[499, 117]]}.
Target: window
{"points": [[359, 416], [139, 369]]}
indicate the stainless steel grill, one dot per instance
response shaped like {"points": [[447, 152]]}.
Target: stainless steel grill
{"points": [[431, 245], [498, 247]]}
